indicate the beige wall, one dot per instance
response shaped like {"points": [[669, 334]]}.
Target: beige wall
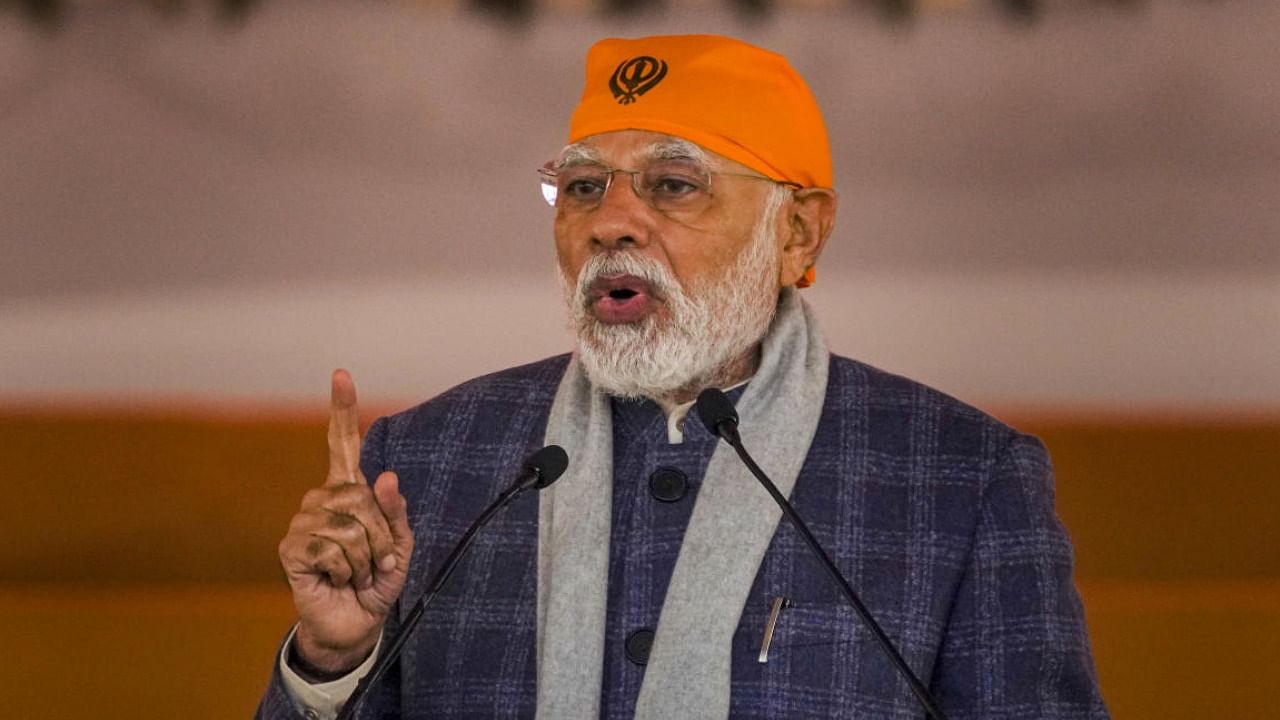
{"points": [[1078, 213]]}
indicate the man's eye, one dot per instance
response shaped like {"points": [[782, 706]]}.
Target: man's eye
{"points": [[673, 186], [583, 188]]}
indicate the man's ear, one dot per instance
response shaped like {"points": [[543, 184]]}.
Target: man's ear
{"points": [[811, 215]]}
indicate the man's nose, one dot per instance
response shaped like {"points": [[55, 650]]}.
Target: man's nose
{"points": [[623, 218]]}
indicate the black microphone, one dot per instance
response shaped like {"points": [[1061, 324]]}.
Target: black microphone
{"points": [[721, 419], [540, 470]]}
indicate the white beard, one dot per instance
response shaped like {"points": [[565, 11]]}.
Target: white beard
{"points": [[706, 332]]}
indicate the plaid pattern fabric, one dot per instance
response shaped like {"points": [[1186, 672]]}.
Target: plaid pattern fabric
{"points": [[941, 518]]}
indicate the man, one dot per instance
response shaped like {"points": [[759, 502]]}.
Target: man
{"points": [[654, 580]]}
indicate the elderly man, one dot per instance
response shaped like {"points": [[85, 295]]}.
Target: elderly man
{"points": [[654, 580]]}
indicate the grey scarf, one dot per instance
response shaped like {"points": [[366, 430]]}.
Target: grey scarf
{"points": [[733, 521]]}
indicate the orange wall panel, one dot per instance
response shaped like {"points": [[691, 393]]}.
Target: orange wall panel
{"points": [[144, 549]]}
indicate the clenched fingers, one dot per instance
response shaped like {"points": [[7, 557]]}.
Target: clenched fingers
{"points": [[325, 557], [348, 535], [349, 516]]}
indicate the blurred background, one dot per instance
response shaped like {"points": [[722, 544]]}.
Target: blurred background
{"points": [[1064, 211]]}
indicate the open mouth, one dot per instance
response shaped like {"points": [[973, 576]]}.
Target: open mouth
{"points": [[620, 298], [619, 287]]}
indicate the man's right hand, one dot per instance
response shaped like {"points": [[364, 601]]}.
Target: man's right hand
{"points": [[347, 551]]}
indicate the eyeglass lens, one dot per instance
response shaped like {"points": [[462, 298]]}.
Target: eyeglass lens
{"points": [[667, 185]]}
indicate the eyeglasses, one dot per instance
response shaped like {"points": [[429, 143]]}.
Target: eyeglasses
{"points": [[674, 187]]}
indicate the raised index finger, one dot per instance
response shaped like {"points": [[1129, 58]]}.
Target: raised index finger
{"points": [[344, 431]]}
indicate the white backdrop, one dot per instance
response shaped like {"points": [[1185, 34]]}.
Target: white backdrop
{"points": [[1082, 213]]}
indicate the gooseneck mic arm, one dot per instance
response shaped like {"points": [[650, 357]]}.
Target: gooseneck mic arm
{"points": [[721, 419], [540, 470]]}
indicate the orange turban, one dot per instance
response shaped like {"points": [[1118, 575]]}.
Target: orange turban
{"points": [[734, 99]]}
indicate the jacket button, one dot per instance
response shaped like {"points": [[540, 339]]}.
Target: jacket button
{"points": [[668, 484], [639, 643]]}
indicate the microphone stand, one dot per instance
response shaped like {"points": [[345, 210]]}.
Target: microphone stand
{"points": [[542, 469], [722, 420]]}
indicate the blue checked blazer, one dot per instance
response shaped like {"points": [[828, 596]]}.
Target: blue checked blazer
{"points": [[940, 516]]}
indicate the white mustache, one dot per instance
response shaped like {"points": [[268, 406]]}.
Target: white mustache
{"points": [[623, 262]]}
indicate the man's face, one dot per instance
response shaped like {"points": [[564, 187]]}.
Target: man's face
{"points": [[692, 249], [665, 290]]}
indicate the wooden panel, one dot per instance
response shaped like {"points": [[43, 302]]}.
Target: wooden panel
{"points": [[145, 547], [1167, 650], [1169, 500], [139, 651], [1186, 651], [153, 499]]}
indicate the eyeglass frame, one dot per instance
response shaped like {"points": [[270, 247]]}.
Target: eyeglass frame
{"points": [[549, 172]]}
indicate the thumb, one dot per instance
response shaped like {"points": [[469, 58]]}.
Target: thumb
{"points": [[386, 490]]}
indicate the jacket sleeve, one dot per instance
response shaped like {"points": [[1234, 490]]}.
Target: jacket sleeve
{"points": [[381, 702], [1016, 645]]}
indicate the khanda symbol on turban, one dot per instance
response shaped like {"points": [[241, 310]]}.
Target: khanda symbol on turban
{"points": [[635, 77]]}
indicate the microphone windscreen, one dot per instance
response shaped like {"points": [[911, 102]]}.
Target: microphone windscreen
{"points": [[714, 408], [548, 463]]}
